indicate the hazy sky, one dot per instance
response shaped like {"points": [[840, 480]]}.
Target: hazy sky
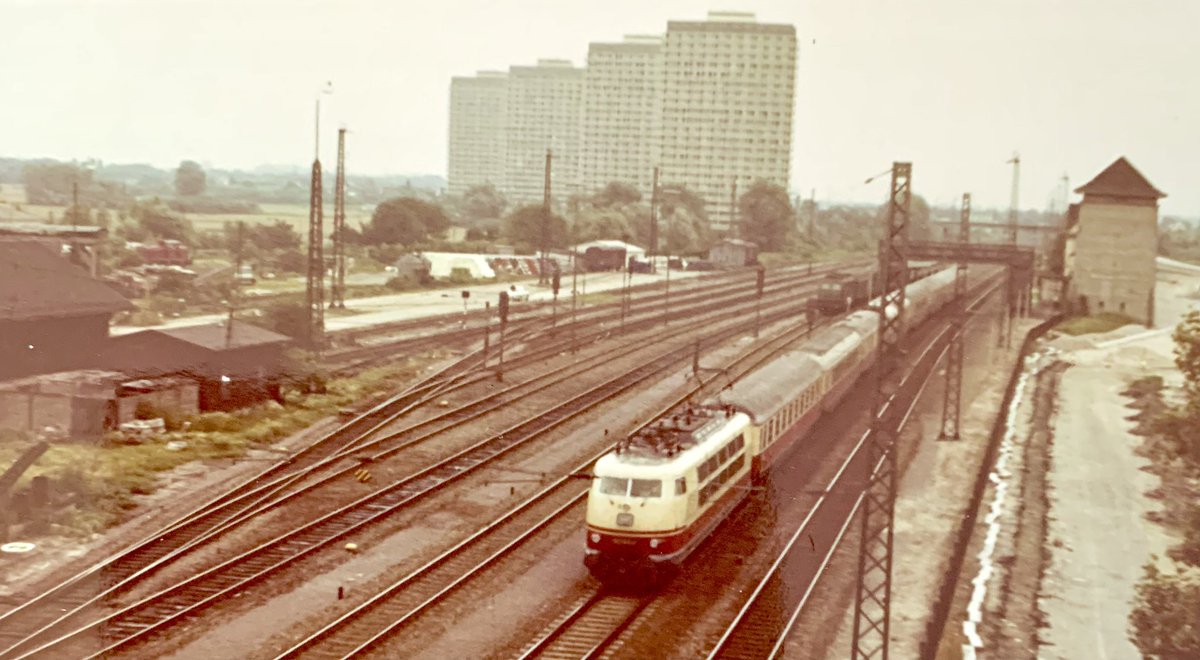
{"points": [[953, 85]]}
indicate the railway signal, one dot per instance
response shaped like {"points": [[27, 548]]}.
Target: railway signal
{"points": [[555, 282], [487, 330], [503, 324], [760, 278]]}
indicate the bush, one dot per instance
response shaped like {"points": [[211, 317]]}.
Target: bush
{"points": [[213, 422], [1096, 323], [291, 261], [402, 283], [1165, 622], [172, 418]]}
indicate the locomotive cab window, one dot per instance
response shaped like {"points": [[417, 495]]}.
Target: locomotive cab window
{"points": [[646, 488], [614, 486], [680, 486], [631, 487]]}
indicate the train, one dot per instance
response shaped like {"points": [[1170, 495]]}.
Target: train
{"points": [[841, 292], [661, 491]]}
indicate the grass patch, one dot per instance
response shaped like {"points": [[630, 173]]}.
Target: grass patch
{"points": [[94, 486], [1095, 323]]}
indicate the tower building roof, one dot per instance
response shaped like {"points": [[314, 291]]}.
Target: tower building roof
{"points": [[1121, 179]]}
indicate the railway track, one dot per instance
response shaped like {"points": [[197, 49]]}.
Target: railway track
{"points": [[371, 624], [650, 303], [100, 580], [140, 618], [89, 588], [760, 628], [589, 628]]}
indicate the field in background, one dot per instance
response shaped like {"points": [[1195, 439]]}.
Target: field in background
{"points": [[13, 207], [295, 215]]}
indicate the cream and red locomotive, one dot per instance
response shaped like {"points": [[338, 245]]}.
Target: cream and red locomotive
{"points": [[664, 489]]}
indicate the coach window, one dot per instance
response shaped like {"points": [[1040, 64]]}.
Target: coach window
{"points": [[680, 486], [646, 488]]}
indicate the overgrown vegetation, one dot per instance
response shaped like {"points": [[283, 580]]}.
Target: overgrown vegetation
{"points": [[1165, 622], [1094, 323], [95, 486]]}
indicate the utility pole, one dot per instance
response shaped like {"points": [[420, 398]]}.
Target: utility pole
{"points": [[812, 217], [733, 228], [654, 220], [74, 204], [1014, 199], [872, 611], [233, 290], [574, 289], [1010, 284], [952, 396], [338, 290], [545, 222]]}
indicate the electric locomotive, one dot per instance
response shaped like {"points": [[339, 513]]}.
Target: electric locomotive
{"points": [[666, 487]]}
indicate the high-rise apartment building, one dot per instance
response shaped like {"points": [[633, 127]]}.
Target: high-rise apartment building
{"points": [[544, 111], [622, 113], [477, 130], [728, 93], [710, 102]]}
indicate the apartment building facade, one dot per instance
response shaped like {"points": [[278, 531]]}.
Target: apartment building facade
{"points": [[710, 102], [728, 95], [622, 114], [478, 130], [544, 111]]}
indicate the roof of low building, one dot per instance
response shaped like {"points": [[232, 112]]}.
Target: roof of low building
{"points": [[609, 244], [738, 242], [36, 283], [213, 336], [44, 229], [1121, 179]]}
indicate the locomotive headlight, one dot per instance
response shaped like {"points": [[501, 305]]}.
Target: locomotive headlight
{"points": [[595, 537], [654, 543]]}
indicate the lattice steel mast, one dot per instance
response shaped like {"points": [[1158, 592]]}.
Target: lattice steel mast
{"points": [[337, 298], [952, 399], [314, 287], [872, 611]]}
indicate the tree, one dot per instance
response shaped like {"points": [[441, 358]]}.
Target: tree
{"points": [[682, 198], [918, 219], [278, 235], [404, 220], [289, 319], [157, 221], [53, 183], [530, 229], [616, 193], [765, 216], [190, 179], [598, 224], [1165, 622], [1187, 355], [682, 232], [482, 203], [291, 261]]}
